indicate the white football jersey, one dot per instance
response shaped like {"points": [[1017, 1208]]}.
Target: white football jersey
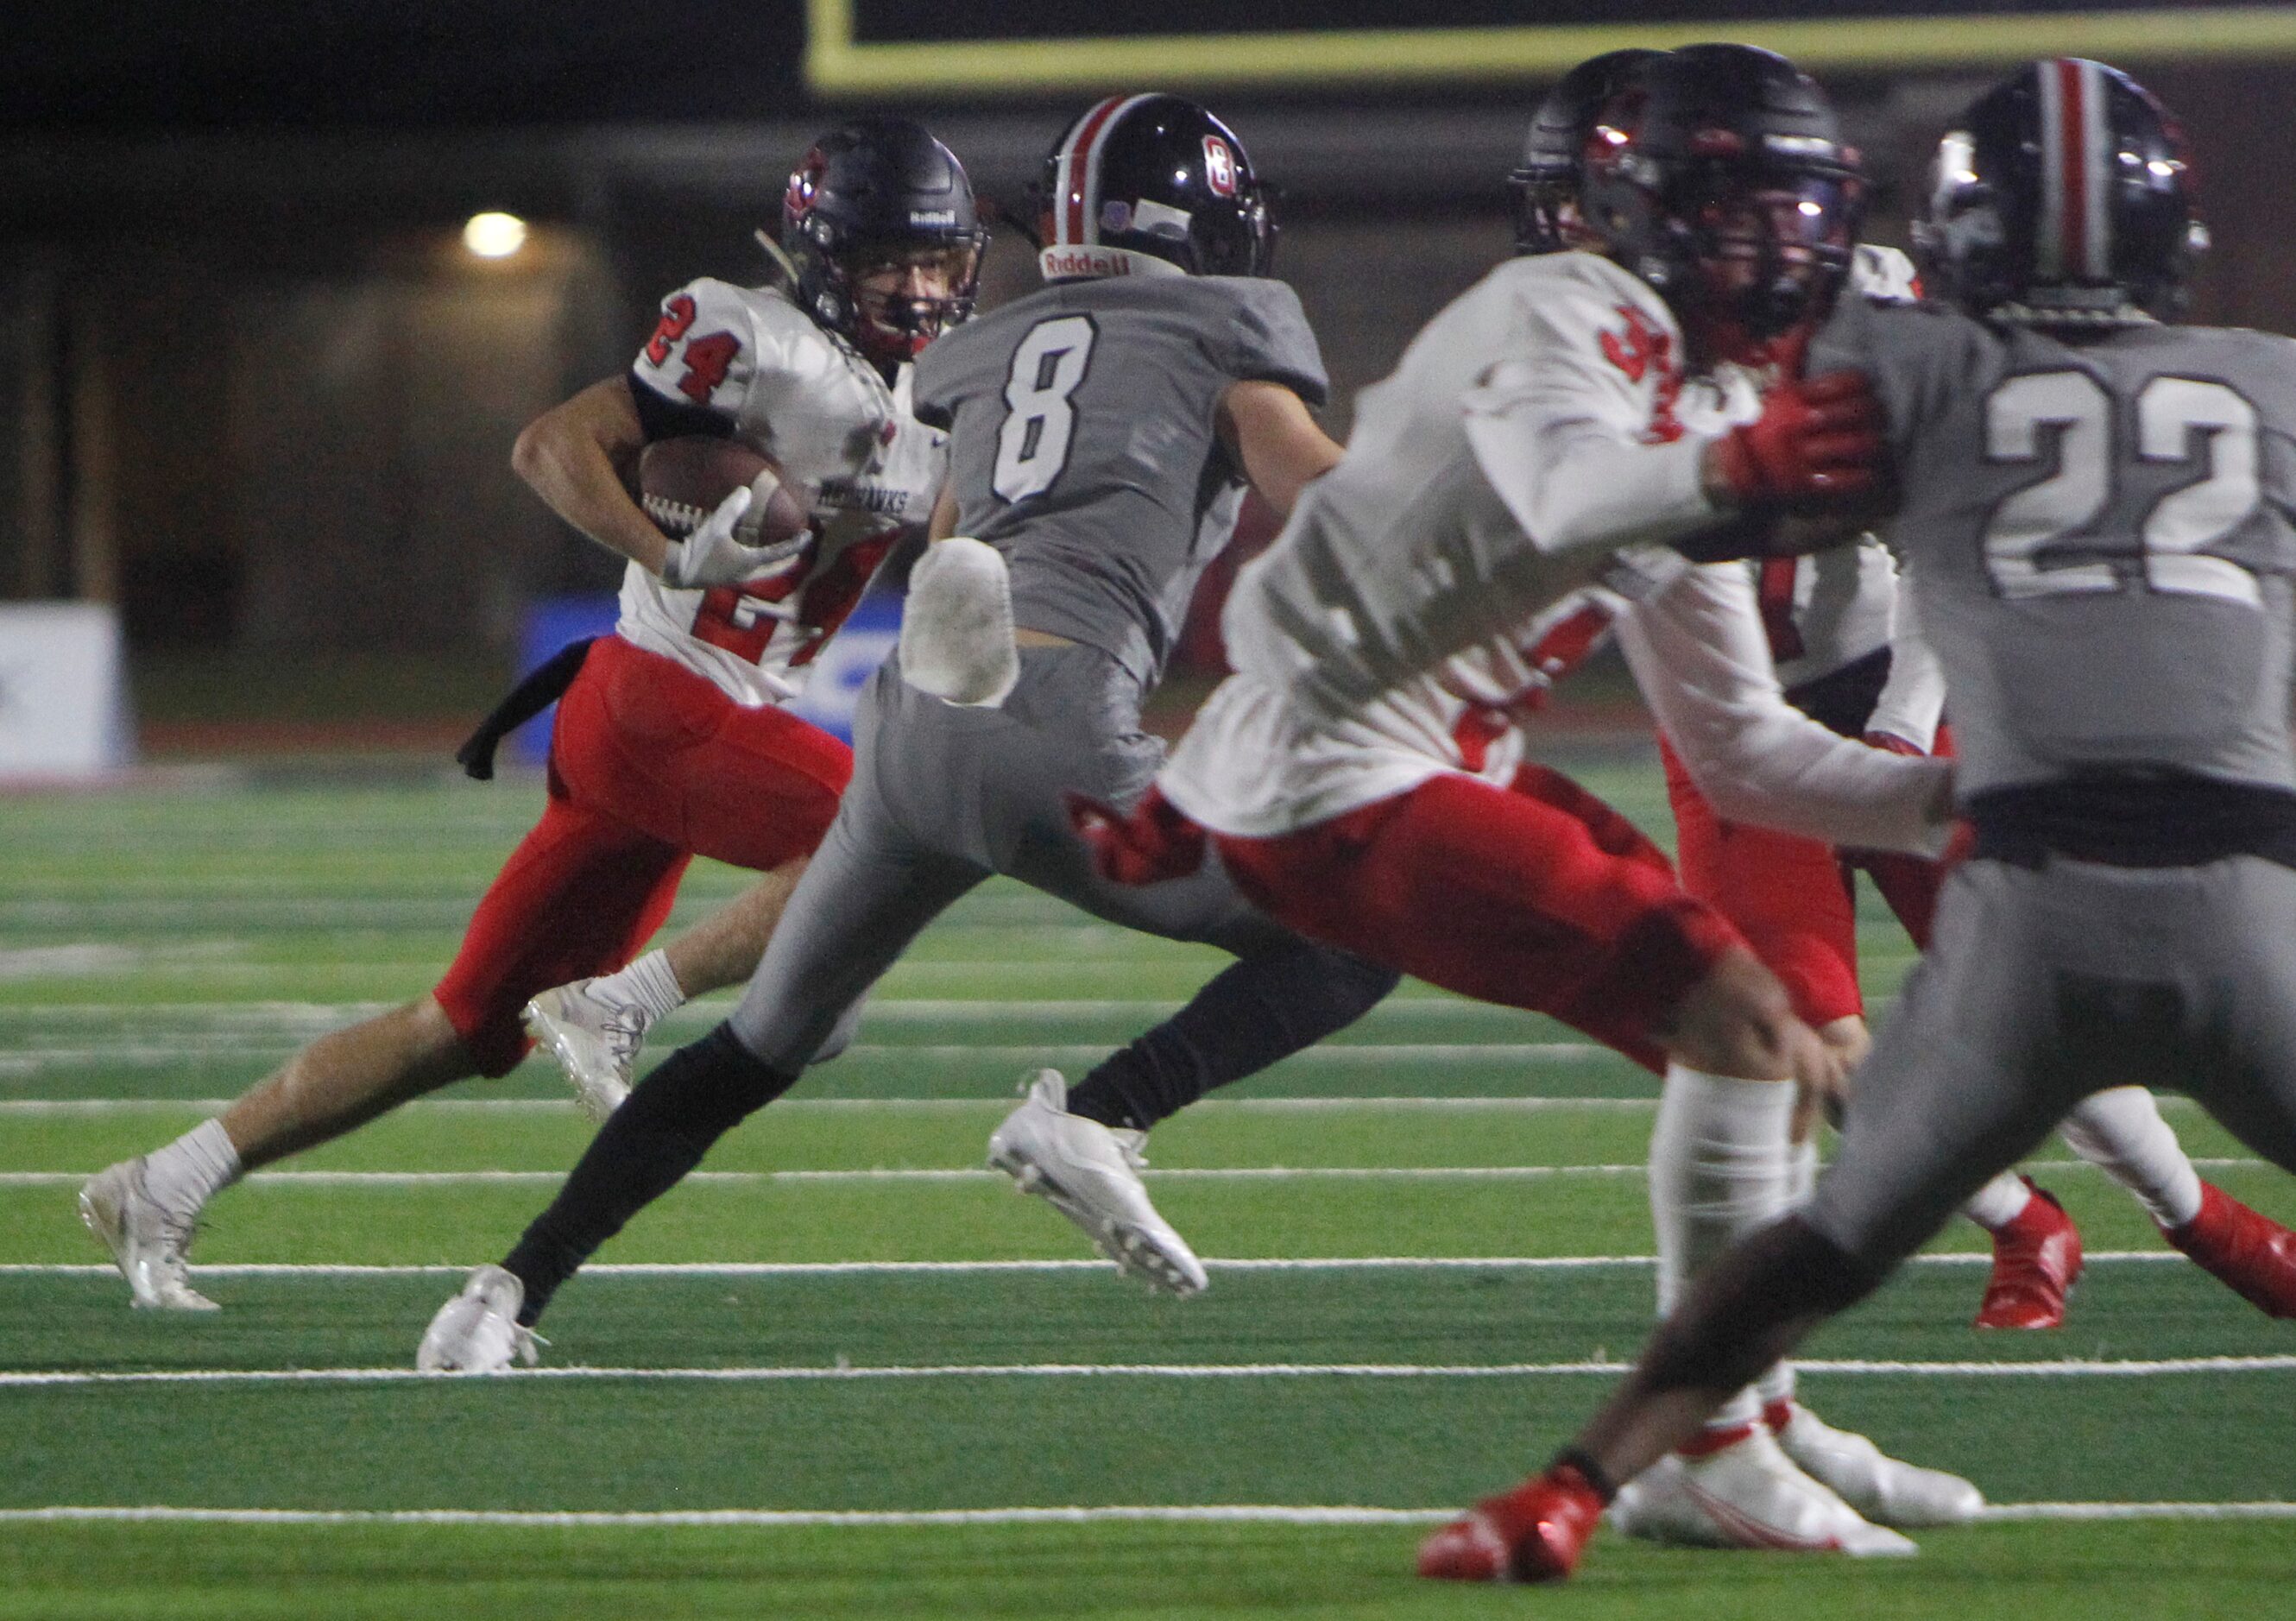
{"points": [[848, 448], [1448, 541], [1532, 430]]}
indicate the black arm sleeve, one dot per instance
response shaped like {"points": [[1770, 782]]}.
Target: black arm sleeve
{"points": [[662, 418]]}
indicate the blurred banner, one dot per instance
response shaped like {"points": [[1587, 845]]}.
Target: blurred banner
{"points": [[832, 692], [876, 47], [64, 693]]}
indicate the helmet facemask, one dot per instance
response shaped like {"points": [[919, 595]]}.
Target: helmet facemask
{"points": [[1769, 246], [904, 296]]}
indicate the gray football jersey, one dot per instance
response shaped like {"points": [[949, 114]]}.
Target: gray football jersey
{"points": [[2099, 533], [1082, 442]]}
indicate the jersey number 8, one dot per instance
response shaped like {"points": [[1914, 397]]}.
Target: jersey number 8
{"points": [[2169, 411], [1048, 367]]}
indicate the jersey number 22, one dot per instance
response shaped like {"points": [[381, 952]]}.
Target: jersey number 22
{"points": [[2178, 419]]}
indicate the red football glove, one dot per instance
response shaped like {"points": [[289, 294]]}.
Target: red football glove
{"points": [[1818, 440], [1154, 843]]}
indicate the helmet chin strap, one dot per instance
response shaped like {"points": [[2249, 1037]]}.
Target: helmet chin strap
{"points": [[773, 251]]}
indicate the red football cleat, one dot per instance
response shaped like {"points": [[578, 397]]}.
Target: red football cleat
{"points": [[2252, 1255], [1533, 1533], [2035, 1259]]}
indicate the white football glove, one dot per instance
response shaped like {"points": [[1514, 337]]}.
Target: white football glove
{"points": [[713, 556], [956, 628]]}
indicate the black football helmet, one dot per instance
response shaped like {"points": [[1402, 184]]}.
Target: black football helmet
{"points": [[2063, 196], [871, 194], [1717, 174], [1544, 187], [1141, 184]]}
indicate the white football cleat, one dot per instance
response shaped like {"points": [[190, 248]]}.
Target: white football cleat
{"points": [[1879, 1486], [595, 1041], [147, 1241], [1747, 1494], [477, 1332], [1090, 1173]]}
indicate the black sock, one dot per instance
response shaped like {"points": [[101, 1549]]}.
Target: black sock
{"points": [[693, 1097], [1257, 1010]]}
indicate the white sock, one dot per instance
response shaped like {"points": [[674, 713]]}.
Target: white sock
{"points": [[2121, 1133], [648, 984], [1998, 1202], [1778, 1384], [1719, 1167], [192, 1169]]}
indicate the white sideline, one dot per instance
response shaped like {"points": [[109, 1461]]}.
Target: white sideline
{"points": [[1193, 1514], [2068, 1368], [778, 1269]]}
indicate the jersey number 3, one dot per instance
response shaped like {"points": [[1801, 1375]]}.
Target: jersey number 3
{"points": [[1048, 367], [2172, 413]]}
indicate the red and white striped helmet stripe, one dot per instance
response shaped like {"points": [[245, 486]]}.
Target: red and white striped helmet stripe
{"points": [[2076, 225], [1076, 180]]}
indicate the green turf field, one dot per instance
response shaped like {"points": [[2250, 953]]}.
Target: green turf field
{"points": [[844, 1372]]}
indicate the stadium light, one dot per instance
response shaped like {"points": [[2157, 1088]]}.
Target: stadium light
{"points": [[493, 235]]}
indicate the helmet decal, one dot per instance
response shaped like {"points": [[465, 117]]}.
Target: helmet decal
{"points": [[2075, 235], [1219, 166], [1075, 201]]}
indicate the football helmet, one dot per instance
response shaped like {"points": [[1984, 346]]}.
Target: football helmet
{"points": [[2063, 196], [1149, 185], [1718, 175], [1543, 190], [876, 193]]}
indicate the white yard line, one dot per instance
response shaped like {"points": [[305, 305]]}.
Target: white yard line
{"points": [[57, 1179], [892, 1010], [780, 1269], [103, 1106], [2066, 1368], [1257, 1173], [1174, 1514], [230, 1046]]}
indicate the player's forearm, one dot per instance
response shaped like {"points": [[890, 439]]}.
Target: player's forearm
{"points": [[1278, 442], [1913, 700], [1697, 652], [567, 457]]}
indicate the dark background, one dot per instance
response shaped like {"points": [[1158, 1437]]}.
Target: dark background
{"points": [[253, 390]]}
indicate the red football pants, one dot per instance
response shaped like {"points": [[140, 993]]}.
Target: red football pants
{"points": [[1792, 898], [1538, 895], [650, 765]]}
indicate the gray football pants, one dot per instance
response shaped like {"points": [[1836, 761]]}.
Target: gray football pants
{"points": [[2043, 987], [942, 798]]}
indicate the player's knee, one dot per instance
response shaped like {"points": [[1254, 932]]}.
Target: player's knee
{"points": [[841, 1037], [1736, 1021]]}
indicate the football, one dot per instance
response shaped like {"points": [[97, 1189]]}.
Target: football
{"points": [[681, 481]]}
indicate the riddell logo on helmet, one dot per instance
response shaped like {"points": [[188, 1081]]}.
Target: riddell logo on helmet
{"points": [[933, 216], [1219, 166], [1082, 261]]}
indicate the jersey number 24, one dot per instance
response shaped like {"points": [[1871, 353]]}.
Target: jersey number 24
{"points": [[1048, 367]]}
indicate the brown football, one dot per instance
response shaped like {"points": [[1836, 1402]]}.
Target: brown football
{"points": [[681, 481]]}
